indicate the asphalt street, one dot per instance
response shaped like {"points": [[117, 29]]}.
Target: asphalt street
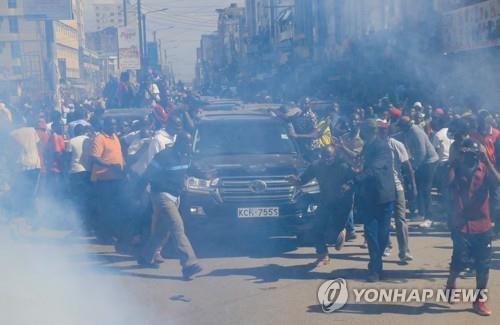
{"points": [[255, 275]]}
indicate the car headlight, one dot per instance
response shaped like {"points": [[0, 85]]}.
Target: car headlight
{"points": [[199, 185], [312, 187]]}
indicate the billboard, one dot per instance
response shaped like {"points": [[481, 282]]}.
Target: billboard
{"points": [[48, 9], [472, 27], [128, 48]]}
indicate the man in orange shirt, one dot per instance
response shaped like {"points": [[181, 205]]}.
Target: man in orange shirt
{"points": [[108, 176]]}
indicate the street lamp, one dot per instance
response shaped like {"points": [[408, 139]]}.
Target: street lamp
{"points": [[141, 17], [144, 28]]}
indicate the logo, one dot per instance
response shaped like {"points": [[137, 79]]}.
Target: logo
{"points": [[333, 295], [258, 187]]}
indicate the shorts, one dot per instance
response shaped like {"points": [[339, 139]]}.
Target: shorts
{"points": [[475, 248]]}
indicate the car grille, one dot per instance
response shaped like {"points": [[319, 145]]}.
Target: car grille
{"points": [[251, 189]]}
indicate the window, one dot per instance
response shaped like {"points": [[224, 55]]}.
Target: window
{"points": [[13, 24], [12, 4], [15, 50]]}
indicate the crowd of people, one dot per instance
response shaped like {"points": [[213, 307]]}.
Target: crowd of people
{"points": [[385, 162], [373, 164]]}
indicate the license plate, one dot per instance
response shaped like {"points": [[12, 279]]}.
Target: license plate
{"points": [[258, 212]]}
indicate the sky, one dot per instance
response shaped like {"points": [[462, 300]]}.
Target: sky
{"points": [[188, 19]]}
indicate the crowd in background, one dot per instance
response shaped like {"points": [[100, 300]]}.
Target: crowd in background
{"points": [[372, 164]]}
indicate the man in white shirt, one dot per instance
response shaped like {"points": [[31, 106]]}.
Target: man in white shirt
{"points": [[25, 152], [442, 143], [401, 162], [161, 140], [79, 172]]}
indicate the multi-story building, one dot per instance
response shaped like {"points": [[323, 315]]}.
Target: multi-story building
{"points": [[210, 61], [24, 49], [231, 26], [69, 40], [104, 42], [471, 44], [105, 13]]}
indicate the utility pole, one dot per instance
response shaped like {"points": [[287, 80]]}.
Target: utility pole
{"points": [[125, 12], [144, 37], [51, 68], [141, 41], [273, 21]]}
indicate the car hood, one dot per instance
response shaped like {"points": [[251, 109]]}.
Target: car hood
{"points": [[247, 165]]}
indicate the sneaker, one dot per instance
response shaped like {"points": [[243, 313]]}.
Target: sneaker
{"points": [[481, 308], [426, 224], [322, 261], [340, 240], [373, 277], [387, 252], [351, 236], [189, 271], [158, 259], [406, 259], [392, 226]]}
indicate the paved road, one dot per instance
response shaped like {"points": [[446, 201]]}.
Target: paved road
{"points": [[252, 277]]}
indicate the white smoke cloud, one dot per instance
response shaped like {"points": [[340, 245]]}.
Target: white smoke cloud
{"points": [[48, 278]]}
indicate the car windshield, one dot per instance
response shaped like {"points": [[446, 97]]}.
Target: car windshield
{"points": [[243, 137]]}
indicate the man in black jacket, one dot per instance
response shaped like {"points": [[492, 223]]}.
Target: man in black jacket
{"points": [[166, 174], [377, 193], [335, 177]]}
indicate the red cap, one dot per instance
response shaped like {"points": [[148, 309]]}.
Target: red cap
{"points": [[396, 112], [439, 111]]}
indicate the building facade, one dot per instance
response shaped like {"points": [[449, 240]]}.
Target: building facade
{"points": [[105, 13], [22, 50], [359, 49], [25, 45]]}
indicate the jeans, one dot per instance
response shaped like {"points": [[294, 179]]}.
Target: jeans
{"points": [[167, 221], [401, 224], [377, 224], [475, 247], [424, 177], [349, 225]]}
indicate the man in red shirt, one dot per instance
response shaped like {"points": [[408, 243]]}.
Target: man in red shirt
{"points": [[54, 166], [489, 136], [471, 178]]}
